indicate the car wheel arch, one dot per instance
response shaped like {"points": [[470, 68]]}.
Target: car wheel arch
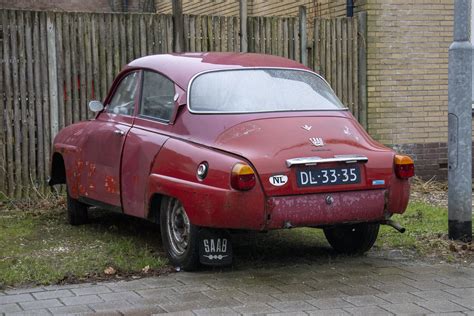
{"points": [[58, 170], [154, 207]]}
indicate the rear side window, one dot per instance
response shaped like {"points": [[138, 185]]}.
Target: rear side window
{"points": [[157, 96], [123, 101]]}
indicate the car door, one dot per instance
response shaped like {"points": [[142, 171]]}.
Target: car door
{"points": [[103, 150], [145, 139]]}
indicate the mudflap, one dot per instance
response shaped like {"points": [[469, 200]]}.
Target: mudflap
{"points": [[215, 247]]}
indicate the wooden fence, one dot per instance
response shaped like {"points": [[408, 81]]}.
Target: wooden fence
{"points": [[54, 63]]}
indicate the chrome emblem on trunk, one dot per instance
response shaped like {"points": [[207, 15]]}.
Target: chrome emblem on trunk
{"points": [[307, 127], [317, 141]]}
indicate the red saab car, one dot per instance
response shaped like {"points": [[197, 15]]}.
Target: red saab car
{"points": [[207, 143]]}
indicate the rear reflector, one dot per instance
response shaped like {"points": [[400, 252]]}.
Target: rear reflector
{"points": [[404, 167], [243, 177]]}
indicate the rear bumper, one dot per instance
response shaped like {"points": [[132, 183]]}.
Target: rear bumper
{"points": [[325, 208]]}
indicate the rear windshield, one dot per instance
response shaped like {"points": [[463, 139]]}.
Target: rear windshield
{"points": [[261, 90]]}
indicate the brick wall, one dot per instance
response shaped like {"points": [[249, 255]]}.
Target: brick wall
{"points": [[407, 46], [78, 5], [231, 7]]}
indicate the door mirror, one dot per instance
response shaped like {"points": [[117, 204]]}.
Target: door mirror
{"points": [[96, 106]]}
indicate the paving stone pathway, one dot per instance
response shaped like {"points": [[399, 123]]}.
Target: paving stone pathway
{"points": [[341, 286]]}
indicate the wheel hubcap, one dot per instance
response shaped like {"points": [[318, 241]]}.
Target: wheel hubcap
{"points": [[178, 228]]}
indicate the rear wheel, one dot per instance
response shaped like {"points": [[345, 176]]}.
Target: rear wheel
{"points": [[76, 211], [352, 239], [179, 236]]}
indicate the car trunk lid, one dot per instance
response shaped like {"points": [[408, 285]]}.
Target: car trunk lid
{"points": [[292, 154]]}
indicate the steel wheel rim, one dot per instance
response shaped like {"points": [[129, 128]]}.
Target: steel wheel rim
{"points": [[178, 228]]}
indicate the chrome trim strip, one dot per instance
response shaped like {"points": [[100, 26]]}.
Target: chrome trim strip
{"points": [[254, 68], [313, 161]]}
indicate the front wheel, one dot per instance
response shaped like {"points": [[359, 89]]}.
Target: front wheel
{"points": [[352, 239], [179, 236]]}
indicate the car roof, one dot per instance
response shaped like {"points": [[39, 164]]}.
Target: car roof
{"points": [[182, 67]]}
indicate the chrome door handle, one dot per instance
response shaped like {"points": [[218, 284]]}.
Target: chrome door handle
{"points": [[119, 132]]}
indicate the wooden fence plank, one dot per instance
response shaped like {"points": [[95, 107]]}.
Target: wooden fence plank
{"points": [[268, 36], [210, 34], [285, 37], [136, 36], [52, 75], [123, 41], [23, 102], [143, 37], [328, 69], [355, 87], [30, 101], [204, 44], [316, 45], [96, 95], [116, 49], [110, 47], [38, 101], [338, 58], [198, 39], [192, 33], [322, 48], [350, 85], [68, 116], [344, 60], [16, 103], [3, 158], [9, 102], [187, 40], [46, 100], [60, 68], [333, 54], [169, 34], [362, 66], [89, 79], [296, 39], [73, 35], [82, 67], [235, 34], [280, 38]]}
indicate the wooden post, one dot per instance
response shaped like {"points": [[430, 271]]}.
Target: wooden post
{"points": [[362, 61], [178, 26], [303, 36], [243, 26], [52, 76]]}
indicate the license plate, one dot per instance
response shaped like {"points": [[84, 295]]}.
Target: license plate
{"points": [[309, 177]]}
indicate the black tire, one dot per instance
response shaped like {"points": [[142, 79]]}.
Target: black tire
{"points": [[352, 239], [76, 211], [179, 236]]}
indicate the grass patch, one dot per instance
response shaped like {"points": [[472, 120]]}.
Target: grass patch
{"points": [[426, 234], [40, 247]]}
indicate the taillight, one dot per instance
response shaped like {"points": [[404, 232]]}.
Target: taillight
{"points": [[404, 167], [243, 177]]}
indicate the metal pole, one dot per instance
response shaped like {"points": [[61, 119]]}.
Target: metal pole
{"points": [[243, 26], [460, 126]]}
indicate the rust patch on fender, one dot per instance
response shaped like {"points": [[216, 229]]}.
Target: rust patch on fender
{"points": [[91, 169], [111, 185], [313, 209]]}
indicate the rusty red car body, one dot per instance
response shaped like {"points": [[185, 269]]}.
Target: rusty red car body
{"points": [[128, 163]]}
